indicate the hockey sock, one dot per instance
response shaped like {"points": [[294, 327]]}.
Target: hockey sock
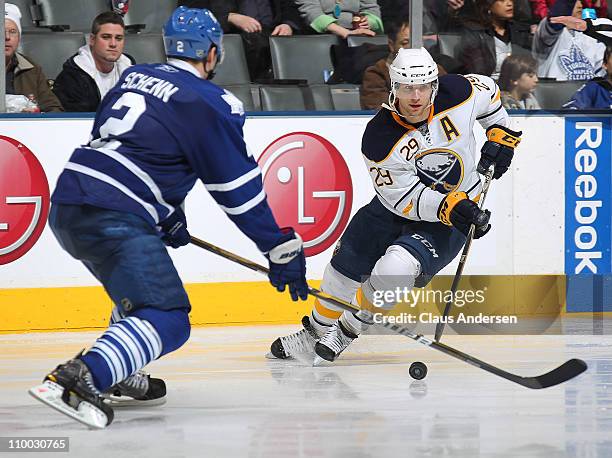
{"points": [[131, 343], [323, 317]]}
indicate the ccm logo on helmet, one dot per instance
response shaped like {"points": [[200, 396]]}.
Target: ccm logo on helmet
{"points": [[317, 205], [24, 199]]}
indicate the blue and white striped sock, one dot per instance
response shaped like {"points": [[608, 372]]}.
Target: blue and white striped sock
{"points": [[128, 345]]}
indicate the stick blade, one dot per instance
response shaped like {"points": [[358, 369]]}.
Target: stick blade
{"points": [[566, 371]]}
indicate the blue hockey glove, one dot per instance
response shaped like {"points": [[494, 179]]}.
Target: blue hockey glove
{"points": [[174, 229], [498, 150], [288, 265]]}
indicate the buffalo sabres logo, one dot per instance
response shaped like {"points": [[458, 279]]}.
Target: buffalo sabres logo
{"points": [[440, 169]]}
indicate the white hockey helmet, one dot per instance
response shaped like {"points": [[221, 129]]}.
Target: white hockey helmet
{"points": [[413, 66]]}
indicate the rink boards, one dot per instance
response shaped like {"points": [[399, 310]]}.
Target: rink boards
{"points": [[551, 220]]}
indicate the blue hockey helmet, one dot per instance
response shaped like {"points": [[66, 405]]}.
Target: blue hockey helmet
{"points": [[190, 32]]}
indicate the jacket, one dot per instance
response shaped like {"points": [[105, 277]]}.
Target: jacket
{"points": [[375, 86], [594, 95], [76, 86], [477, 46], [29, 80], [283, 10], [510, 103]]}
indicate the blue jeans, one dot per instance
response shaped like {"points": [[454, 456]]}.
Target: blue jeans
{"points": [[124, 253]]}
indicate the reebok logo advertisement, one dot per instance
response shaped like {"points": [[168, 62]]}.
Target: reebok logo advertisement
{"points": [[588, 198], [24, 199], [309, 188]]}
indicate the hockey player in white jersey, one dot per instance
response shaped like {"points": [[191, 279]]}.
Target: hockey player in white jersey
{"points": [[119, 200], [420, 151]]}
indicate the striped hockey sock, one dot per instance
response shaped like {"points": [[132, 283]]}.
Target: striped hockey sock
{"points": [[128, 345]]}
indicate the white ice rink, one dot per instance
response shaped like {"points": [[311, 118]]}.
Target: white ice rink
{"points": [[226, 400]]}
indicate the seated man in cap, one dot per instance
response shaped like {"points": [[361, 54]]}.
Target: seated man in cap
{"points": [[22, 75]]}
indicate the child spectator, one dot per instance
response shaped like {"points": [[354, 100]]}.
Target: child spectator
{"points": [[342, 18], [517, 80]]}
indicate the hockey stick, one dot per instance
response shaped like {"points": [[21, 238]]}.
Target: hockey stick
{"points": [[563, 373], [463, 259]]}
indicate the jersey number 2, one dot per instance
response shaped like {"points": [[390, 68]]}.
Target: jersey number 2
{"points": [[136, 105]]}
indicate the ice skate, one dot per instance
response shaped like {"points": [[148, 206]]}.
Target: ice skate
{"points": [[333, 343], [139, 389], [69, 389], [301, 342]]}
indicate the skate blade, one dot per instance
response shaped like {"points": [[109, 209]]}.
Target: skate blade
{"points": [[118, 402], [318, 361], [269, 355], [50, 393]]}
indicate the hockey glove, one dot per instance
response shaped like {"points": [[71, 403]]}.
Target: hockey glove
{"points": [[498, 150], [288, 265], [174, 229], [459, 211]]}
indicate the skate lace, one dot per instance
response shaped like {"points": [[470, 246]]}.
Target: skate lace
{"points": [[298, 342], [336, 340], [138, 381]]}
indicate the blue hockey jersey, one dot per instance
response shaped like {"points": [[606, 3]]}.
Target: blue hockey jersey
{"points": [[594, 95], [156, 132]]}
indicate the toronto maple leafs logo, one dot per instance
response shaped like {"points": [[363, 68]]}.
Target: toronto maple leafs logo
{"points": [[576, 64]]}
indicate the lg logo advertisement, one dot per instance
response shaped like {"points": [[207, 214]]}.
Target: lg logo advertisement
{"points": [[24, 199], [309, 188]]}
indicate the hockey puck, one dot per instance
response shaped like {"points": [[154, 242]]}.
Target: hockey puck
{"points": [[417, 370]]}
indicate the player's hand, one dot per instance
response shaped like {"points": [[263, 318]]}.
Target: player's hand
{"points": [[498, 150], [244, 23], [288, 265], [459, 211], [174, 229], [282, 30]]}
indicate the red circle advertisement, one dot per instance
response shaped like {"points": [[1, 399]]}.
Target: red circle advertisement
{"points": [[24, 199], [309, 188]]}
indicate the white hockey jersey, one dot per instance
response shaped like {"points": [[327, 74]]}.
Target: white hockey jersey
{"points": [[413, 169]]}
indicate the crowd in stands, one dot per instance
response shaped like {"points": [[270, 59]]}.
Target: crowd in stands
{"points": [[519, 43]]}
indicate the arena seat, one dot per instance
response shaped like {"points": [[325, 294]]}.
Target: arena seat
{"points": [[148, 15], [345, 97], [302, 57], [77, 15], [244, 93], [145, 48], [283, 98], [553, 94], [322, 98], [233, 70], [358, 40], [27, 18], [50, 50]]}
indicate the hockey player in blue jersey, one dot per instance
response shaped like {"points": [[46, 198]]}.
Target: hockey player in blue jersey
{"points": [[118, 200]]}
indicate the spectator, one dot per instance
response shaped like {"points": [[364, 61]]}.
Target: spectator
{"points": [[517, 80], [87, 76], [376, 83], [255, 21], [566, 54], [342, 18], [492, 36], [597, 93], [23, 76], [541, 8]]}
